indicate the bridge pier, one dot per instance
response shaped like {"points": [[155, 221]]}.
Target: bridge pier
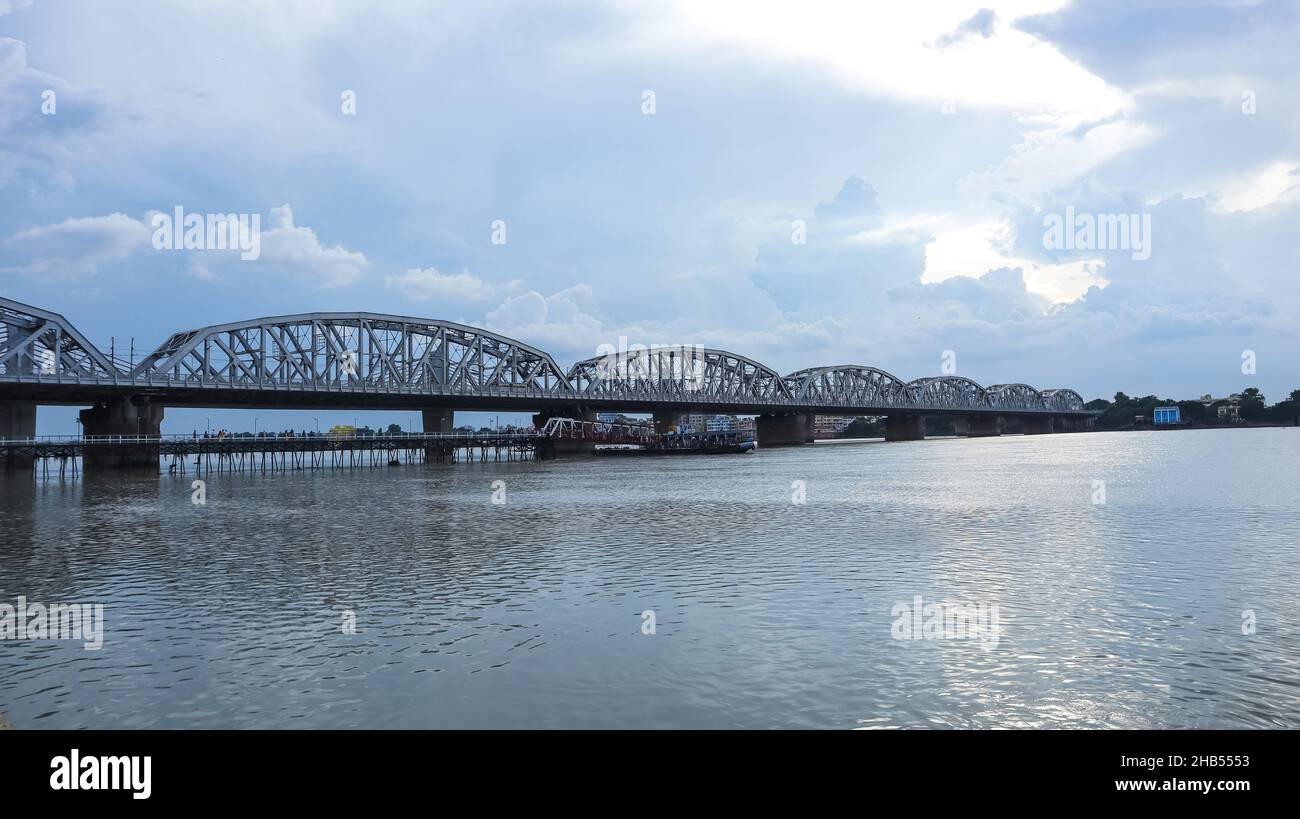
{"points": [[1038, 425], [905, 427], [1072, 424], [785, 428], [977, 426], [438, 420], [128, 416], [18, 421]]}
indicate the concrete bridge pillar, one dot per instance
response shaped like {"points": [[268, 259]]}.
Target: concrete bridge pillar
{"points": [[18, 421], [1038, 425], [978, 426], [435, 421], [438, 420], [1071, 424], [128, 416], [785, 428], [904, 427]]}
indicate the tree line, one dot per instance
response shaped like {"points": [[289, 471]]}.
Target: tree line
{"points": [[1254, 408]]}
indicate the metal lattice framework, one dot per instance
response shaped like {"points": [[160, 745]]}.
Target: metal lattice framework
{"points": [[36, 343], [1010, 396], [1063, 400], [354, 352], [949, 392], [850, 385], [406, 359], [681, 373]]}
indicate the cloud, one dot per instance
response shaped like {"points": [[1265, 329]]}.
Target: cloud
{"points": [[855, 201], [681, 221], [428, 284], [556, 323], [1050, 158], [1005, 67], [76, 247], [980, 23], [1273, 182], [45, 121], [7, 6], [296, 249]]}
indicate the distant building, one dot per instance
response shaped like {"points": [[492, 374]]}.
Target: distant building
{"points": [[1165, 415], [608, 417], [829, 426], [721, 423], [706, 423], [1229, 407]]}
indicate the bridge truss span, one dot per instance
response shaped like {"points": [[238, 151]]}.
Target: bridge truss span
{"points": [[1064, 400], [36, 343], [1015, 396], [949, 392], [382, 361], [353, 352], [679, 374], [850, 385]]}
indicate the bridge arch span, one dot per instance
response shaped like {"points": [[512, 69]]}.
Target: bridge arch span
{"points": [[949, 392], [1015, 396], [36, 342], [353, 351], [680, 372], [1062, 399], [849, 384]]}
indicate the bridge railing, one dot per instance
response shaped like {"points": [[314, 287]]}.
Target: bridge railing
{"points": [[413, 437]]}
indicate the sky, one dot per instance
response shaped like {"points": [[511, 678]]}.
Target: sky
{"points": [[805, 184]]}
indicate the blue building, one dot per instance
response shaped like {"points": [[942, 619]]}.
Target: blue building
{"points": [[1165, 415]]}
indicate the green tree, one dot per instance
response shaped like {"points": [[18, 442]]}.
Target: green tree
{"points": [[1252, 404]]}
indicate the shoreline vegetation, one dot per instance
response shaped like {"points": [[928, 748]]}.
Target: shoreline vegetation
{"points": [[1245, 410]]}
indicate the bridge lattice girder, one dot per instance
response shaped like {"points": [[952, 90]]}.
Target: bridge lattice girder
{"points": [[850, 385], [680, 373], [1012, 396], [36, 342], [949, 392], [353, 351], [399, 355], [1064, 400]]}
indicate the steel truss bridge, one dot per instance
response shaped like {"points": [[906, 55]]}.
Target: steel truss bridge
{"points": [[372, 360]]}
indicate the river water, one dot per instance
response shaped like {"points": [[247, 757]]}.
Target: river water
{"points": [[679, 591]]}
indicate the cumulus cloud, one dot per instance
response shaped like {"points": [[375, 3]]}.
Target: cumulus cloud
{"points": [[296, 249], [556, 323], [76, 247], [429, 283]]}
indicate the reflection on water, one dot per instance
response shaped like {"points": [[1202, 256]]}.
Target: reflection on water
{"points": [[767, 613]]}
